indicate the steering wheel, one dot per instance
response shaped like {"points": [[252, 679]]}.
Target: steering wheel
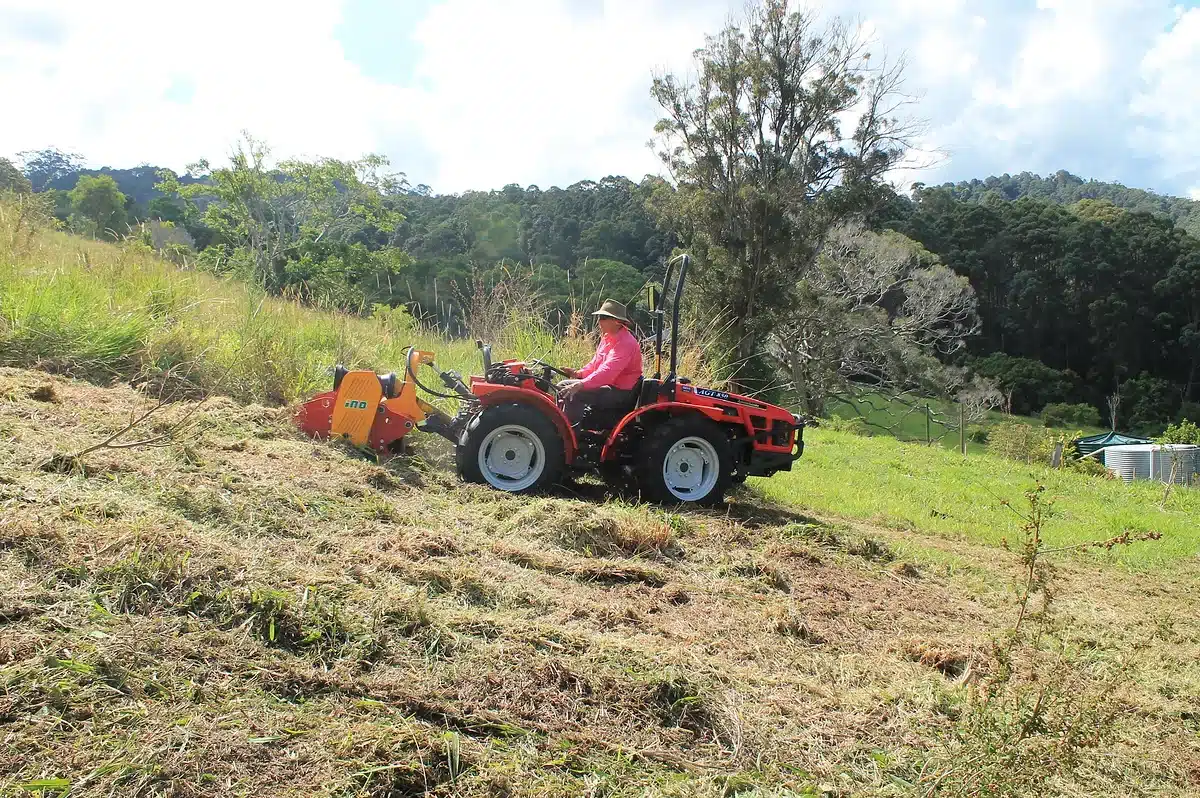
{"points": [[546, 365]]}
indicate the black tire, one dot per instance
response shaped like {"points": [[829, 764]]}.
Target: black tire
{"points": [[534, 422], [388, 384], [339, 371], [653, 452], [618, 480]]}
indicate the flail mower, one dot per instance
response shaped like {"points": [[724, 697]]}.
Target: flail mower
{"points": [[674, 443]]}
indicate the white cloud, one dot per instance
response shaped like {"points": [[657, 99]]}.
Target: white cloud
{"points": [[547, 95], [100, 85], [1045, 91], [554, 91], [1169, 105]]}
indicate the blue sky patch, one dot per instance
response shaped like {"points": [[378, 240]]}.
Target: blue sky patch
{"points": [[376, 36]]}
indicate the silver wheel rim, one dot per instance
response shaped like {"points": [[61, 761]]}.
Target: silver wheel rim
{"points": [[512, 457], [691, 468]]}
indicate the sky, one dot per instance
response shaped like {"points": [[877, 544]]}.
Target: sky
{"points": [[476, 94]]}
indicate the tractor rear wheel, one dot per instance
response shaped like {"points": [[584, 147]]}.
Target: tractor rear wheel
{"points": [[512, 447], [685, 459]]}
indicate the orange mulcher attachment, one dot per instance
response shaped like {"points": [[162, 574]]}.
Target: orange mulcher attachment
{"points": [[367, 409]]}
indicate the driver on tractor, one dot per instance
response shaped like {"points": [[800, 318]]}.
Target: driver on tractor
{"points": [[607, 382]]}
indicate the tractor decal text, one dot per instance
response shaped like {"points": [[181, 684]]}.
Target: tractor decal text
{"points": [[356, 404]]}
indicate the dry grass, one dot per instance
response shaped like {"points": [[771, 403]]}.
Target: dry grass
{"points": [[251, 613]]}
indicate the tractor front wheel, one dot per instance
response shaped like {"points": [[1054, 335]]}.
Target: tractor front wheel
{"points": [[512, 447], [686, 459]]}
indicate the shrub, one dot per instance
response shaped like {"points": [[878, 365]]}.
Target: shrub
{"points": [[855, 425], [394, 321], [1025, 442], [1184, 432], [1067, 415], [1088, 466]]}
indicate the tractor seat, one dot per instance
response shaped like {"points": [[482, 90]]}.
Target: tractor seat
{"points": [[596, 418], [649, 391]]}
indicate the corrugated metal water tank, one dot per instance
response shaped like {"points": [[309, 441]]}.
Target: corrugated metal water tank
{"points": [[1175, 462]]}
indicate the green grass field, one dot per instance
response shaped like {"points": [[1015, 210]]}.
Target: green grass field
{"points": [[938, 492], [907, 420]]}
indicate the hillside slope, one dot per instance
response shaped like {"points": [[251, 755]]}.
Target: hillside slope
{"points": [[246, 612]]}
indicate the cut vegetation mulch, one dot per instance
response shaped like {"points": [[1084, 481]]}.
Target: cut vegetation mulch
{"points": [[246, 612]]}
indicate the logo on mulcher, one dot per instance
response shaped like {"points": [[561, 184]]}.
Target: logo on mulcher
{"points": [[356, 404], [711, 394]]}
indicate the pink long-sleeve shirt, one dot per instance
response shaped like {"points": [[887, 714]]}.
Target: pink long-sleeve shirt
{"points": [[618, 362]]}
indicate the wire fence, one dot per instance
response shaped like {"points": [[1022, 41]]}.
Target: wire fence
{"points": [[911, 418]]}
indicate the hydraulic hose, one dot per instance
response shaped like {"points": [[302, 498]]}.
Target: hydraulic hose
{"points": [[417, 381]]}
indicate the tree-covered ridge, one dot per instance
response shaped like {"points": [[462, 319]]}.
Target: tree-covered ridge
{"points": [[1064, 188]]}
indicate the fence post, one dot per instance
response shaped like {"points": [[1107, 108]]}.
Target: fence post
{"points": [[962, 428], [928, 426]]}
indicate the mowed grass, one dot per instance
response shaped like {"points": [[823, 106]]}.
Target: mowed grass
{"points": [[933, 491], [247, 612]]}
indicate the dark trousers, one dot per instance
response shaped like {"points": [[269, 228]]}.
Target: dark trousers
{"points": [[607, 398]]}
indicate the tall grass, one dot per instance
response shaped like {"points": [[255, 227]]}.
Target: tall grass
{"points": [[106, 312]]}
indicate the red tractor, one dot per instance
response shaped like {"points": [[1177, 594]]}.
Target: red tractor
{"points": [[675, 442]]}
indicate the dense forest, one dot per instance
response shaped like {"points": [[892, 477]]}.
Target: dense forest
{"points": [[1080, 301]]}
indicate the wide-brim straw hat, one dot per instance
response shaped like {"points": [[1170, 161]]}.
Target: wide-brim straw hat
{"points": [[614, 310]]}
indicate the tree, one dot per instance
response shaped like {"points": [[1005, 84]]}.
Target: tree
{"points": [[1099, 210], [42, 167], [763, 166], [11, 179], [300, 223], [166, 209], [1094, 290], [1028, 385], [978, 397], [1180, 287], [597, 279], [1150, 403], [876, 309], [98, 206], [1065, 188], [1060, 414]]}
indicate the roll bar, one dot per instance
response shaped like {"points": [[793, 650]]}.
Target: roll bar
{"points": [[658, 314]]}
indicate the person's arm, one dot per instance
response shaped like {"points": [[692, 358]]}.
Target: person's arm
{"points": [[615, 361], [592, 364]]}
